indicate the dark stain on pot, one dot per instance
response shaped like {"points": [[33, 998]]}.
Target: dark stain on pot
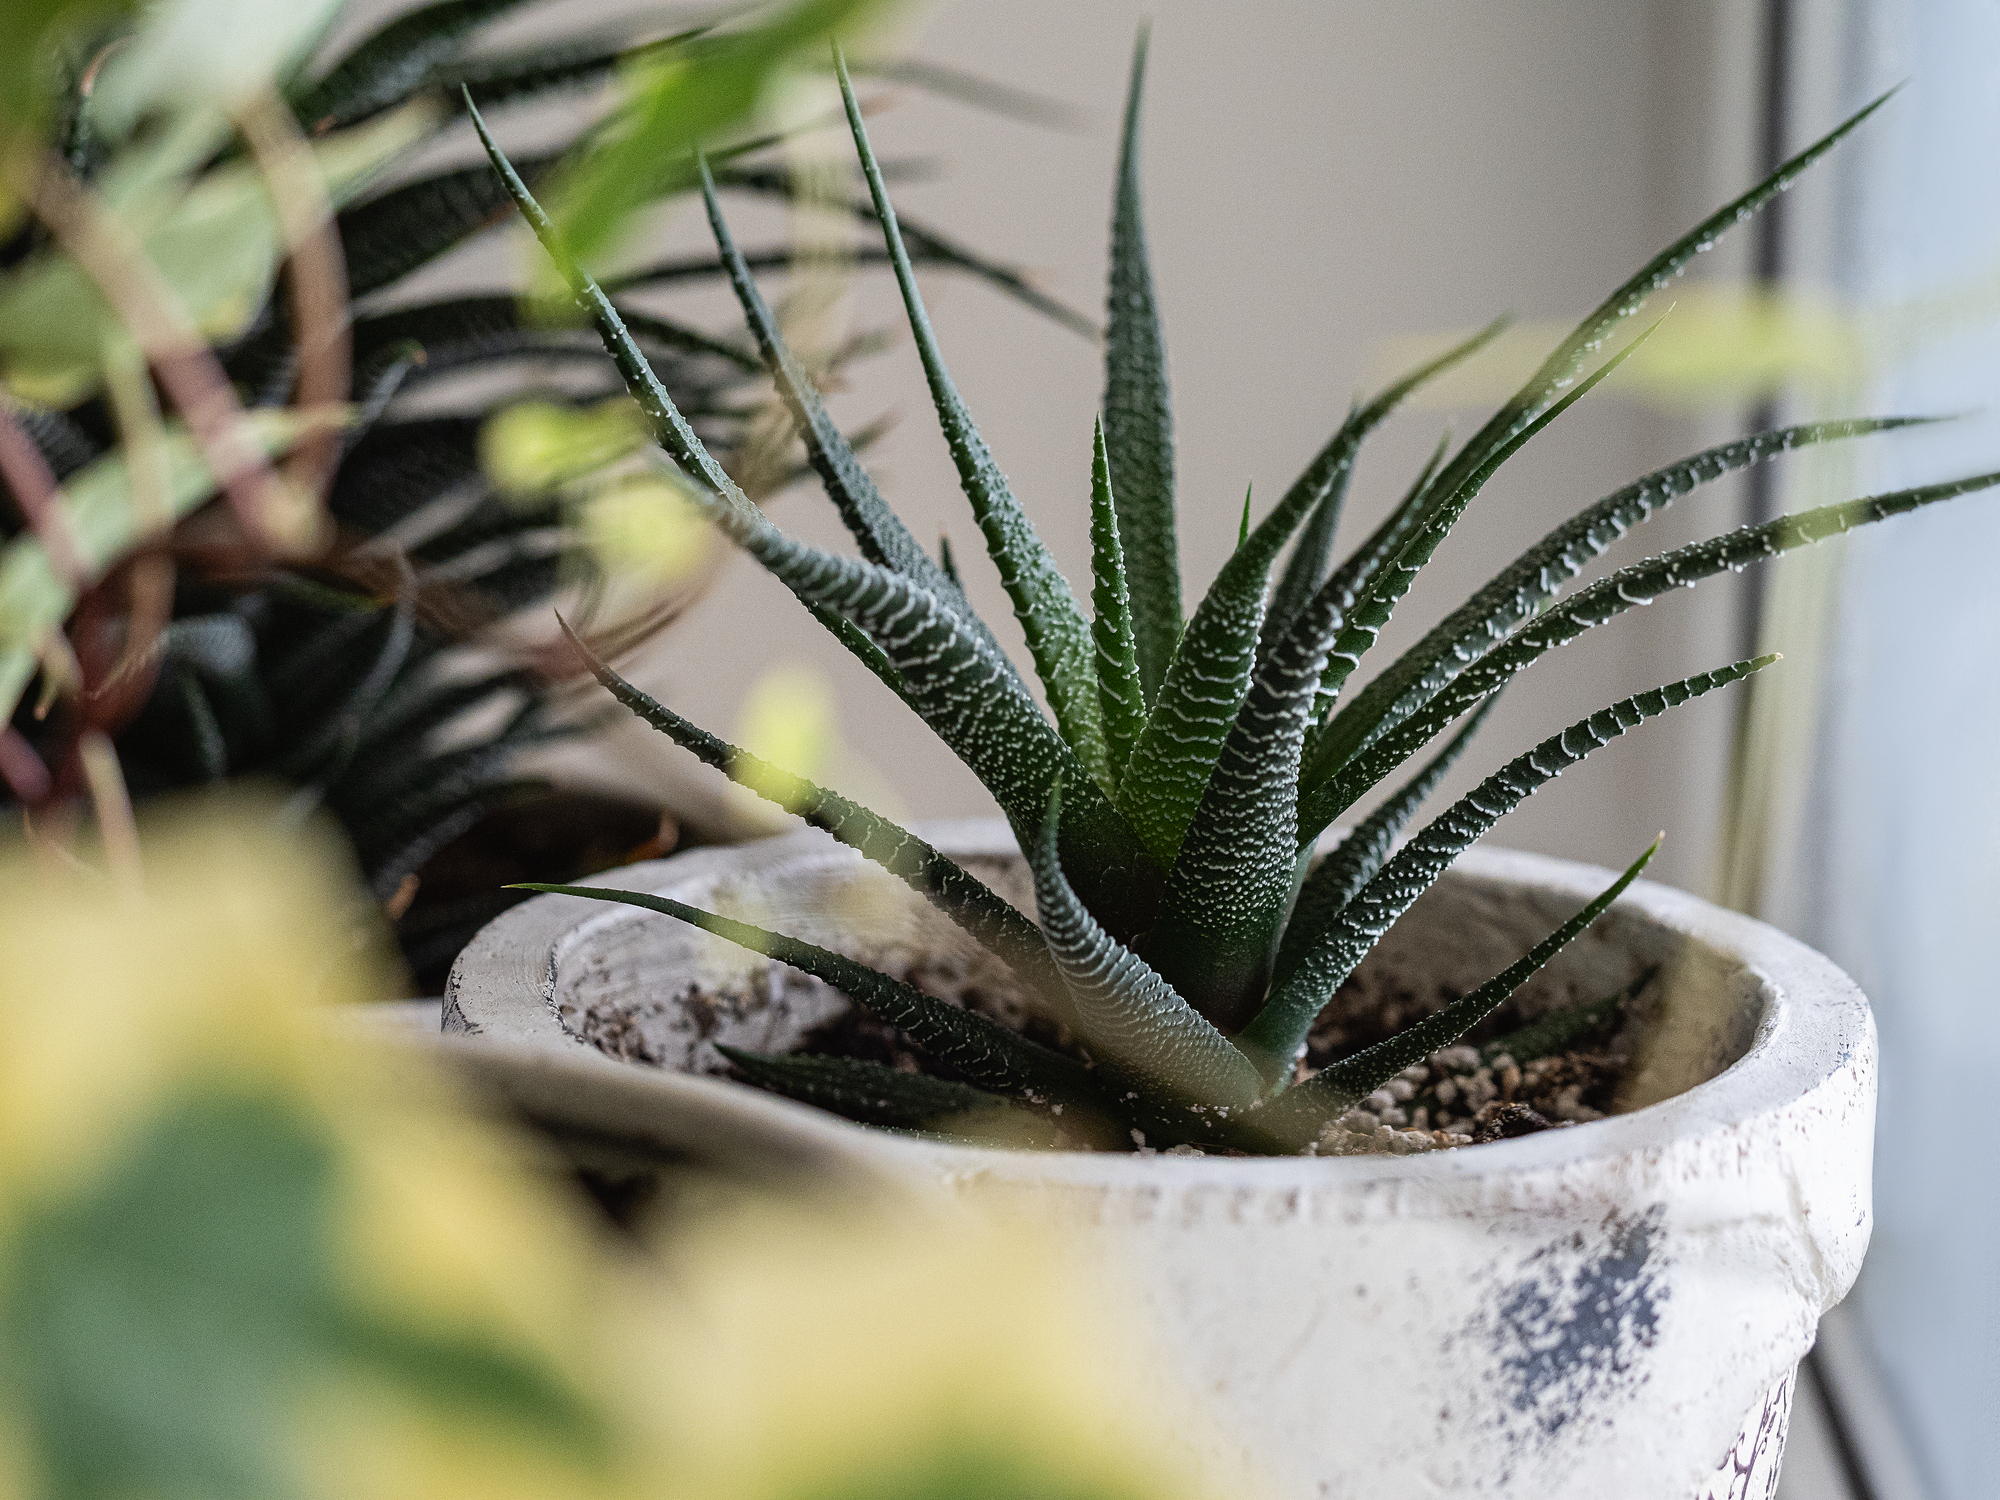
{"points": [[1566, 1339]]}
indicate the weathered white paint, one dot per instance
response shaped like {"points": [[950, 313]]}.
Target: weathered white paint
{"points": [[1609, 1309]]}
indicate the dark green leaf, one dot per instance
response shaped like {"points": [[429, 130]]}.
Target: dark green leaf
{"points": [[463, 329], [1532, 579], [1358, 570], [361, 667], [883, 538], [1311, 559], [1227, 891], [1300, 1113], [1439, 512], [210, 748], [422, 706], [1141, 1034], [494, 79], [375, 387], [1120, 695], [864, 650], [1170, 767], [983, 1050], [966, 691], [876, 1094], [65, 447], [924, 245], [1138, 416], [967, 901], [1557, 1032], [1562, 365], [403, 467], [408, 227], [1059, 641], [393, 62], [439, 799], [1339, 877], [1608, 597], [389, 811], [1278, 1033]]}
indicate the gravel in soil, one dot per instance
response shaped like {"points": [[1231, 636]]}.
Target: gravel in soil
{"points": [[1468, 1094]]}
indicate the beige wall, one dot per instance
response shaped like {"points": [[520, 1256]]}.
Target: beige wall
{"points": [[1319, 177]]}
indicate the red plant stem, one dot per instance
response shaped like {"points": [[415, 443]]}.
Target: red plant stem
{"points": [[317, 279], [150, 575], [190, 374], [22, 769], [37, 495]]}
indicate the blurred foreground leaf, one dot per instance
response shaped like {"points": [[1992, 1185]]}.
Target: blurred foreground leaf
{"points": [[245, 1254], [683, 98], [31, 34], [164, 1326]]}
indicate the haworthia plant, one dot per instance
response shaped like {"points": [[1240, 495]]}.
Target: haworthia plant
{"points": [[1171, 808]]}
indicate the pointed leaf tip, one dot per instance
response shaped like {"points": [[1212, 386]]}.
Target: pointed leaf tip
{"points": [[1058, 639], [1138, 414]]}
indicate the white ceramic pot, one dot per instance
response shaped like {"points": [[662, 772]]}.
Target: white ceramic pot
{"points": [[1613, 1309]]}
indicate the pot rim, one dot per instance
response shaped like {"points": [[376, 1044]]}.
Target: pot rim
{"points": [[1815, 1021]]}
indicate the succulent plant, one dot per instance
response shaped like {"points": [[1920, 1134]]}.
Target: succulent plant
{"points": [[342, 673], [1172, 800]]}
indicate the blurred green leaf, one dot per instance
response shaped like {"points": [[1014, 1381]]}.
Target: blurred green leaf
{"points": [[30, 33], [682, 97], [206, 54], [1723, 345], [218, 246], [532, 447], [156, 1326], [965, 1471], [162, 1327]]}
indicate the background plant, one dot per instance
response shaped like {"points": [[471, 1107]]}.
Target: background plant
{"points": [[1171, 799], [315, 629]]}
